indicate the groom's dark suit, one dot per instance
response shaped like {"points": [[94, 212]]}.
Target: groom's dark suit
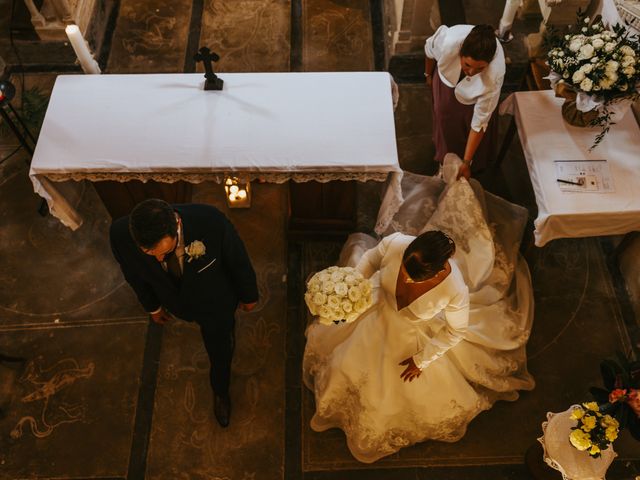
{"points": [[210, 287]]}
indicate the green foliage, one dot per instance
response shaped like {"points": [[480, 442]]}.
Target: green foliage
{"points": [[32, 112]]}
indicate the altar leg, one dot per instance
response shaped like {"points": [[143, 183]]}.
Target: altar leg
{"points": [[121, 197], [322, 210]]}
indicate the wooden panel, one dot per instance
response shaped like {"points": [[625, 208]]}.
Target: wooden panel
{"points": [[120, 197], [322, 209]]}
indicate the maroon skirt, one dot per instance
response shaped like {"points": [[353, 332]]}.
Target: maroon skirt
{"points": [[452, 123]]}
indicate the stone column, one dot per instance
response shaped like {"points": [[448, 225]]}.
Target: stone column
{"points": [[412, 21], [53, 16]]}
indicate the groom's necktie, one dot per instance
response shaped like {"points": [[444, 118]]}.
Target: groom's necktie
{"points": [[173, 266]]}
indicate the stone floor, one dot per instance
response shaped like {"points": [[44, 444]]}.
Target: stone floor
{"points": [[104, 395]]}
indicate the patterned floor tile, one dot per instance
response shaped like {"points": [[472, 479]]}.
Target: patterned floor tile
{"points": [[249, 35]]}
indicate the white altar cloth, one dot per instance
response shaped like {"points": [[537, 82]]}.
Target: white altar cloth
{"points": [[273, 126], [546, 137]]}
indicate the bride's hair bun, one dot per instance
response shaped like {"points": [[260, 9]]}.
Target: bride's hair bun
{"points": [[427, 254]]}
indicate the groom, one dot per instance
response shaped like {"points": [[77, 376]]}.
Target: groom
{"points": [[188, 262]]}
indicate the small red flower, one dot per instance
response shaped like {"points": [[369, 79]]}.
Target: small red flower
{"points": [[617, 394]]}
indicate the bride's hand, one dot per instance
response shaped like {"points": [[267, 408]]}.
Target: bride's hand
{"points": [[411, 372]]}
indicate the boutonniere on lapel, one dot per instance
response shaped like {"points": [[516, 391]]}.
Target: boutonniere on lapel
{"points": [[195, 250]]}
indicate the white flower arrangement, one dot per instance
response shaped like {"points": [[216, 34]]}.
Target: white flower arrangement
{"points": [[195, 250], [338, 294], [601, 66]]}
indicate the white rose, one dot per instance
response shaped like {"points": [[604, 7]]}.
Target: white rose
{"points": [[355, 294], [609, 46], [350, 279], [323, 277], [328, 286], [605, 84], [586, 85], [195, 250], [333, 301], [308, 299], [629, 71], [332, 269], [628, 60], [565, 74], [587, 20], [350, 317], [365, 287], [596, 87], [594, 60], [325, 313], [597, 43], [313, 286], [561, 53], [628, 51], [360, 306], [611, 66], [341, 289], [319, 298], [623, 87], [585, 29], [337, 277], [586, 68], [612, 76], [347, 306], [578, 76], [337, 313], [586, 52], [575, 45]]}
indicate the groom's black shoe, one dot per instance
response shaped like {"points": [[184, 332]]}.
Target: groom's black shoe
{"points": [[222, 409]]}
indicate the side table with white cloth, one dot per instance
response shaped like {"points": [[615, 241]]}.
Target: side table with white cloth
{"points": [[558, 453], [547, 142], [156, 131]]}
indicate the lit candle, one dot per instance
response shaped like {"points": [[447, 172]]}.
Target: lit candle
{"points": [[87, 62], [234, 189], [242, 194]]}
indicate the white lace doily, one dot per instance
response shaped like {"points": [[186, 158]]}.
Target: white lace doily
{"points": [[560, 455]]}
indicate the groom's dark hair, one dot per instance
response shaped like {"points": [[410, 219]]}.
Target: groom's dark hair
{"points": [[152, 220], [426, 254]]}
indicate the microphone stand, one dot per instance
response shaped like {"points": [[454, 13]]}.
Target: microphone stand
{"points": [[19, 128]]}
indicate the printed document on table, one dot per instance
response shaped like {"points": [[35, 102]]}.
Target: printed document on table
{"points": [[587, 176]]}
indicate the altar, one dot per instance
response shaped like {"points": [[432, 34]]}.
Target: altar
{"points": [[140, 136]]}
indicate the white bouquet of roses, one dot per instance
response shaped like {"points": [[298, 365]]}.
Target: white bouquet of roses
{"points": [[338, 294], [600, 65]]}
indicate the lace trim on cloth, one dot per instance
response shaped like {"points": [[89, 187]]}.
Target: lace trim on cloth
{"points": [[171, 177]]}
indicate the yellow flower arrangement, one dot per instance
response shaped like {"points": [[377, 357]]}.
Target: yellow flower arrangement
{"points": [[594, 431]]}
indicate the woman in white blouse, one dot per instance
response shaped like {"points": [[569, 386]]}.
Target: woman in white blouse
{"points": [[465, 68]]}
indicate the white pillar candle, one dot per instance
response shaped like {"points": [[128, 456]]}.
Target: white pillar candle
{"points": [[508, 15], [87, 62]]}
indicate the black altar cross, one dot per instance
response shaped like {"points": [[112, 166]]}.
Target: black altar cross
{"points": [[206, 56]]}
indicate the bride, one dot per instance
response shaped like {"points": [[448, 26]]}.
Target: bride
{"points": [[445, 336]]}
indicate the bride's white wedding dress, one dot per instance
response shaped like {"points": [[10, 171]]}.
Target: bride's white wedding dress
{"points": [[468, 332]]}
